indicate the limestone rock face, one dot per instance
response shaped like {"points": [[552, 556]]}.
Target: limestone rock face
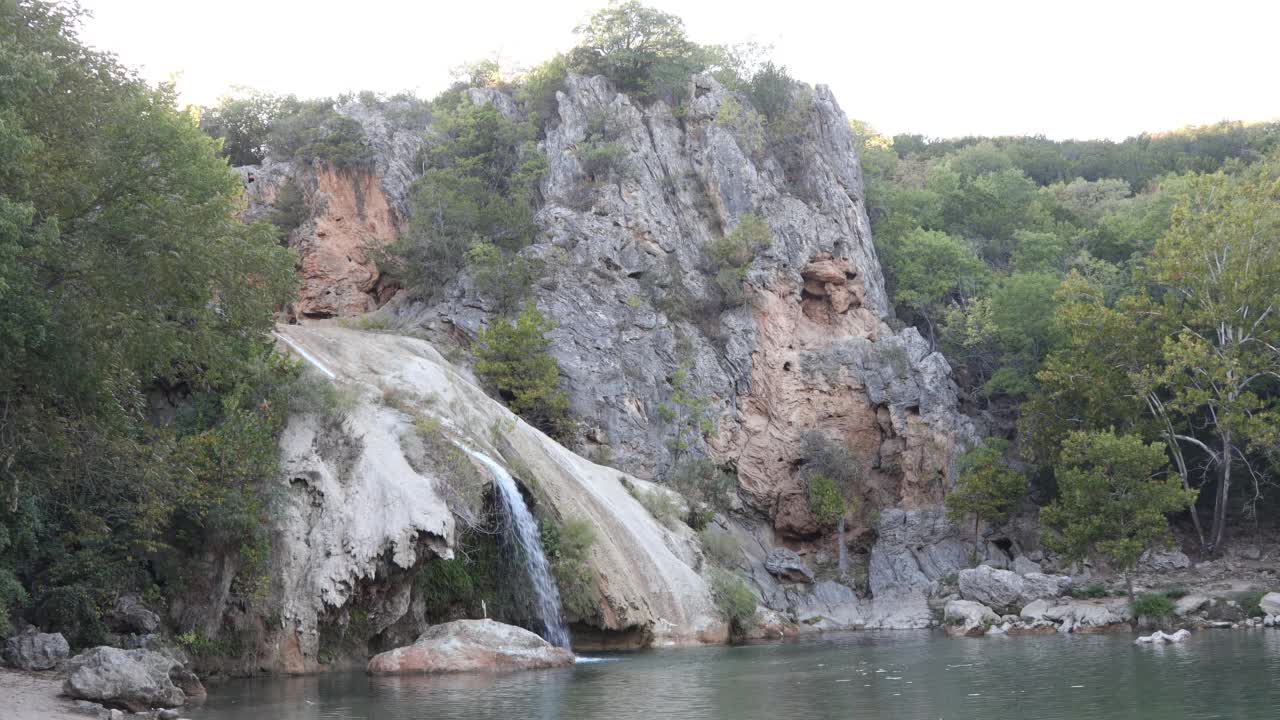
{"points": [[471, 646], [132, 616], [1270, 603], [135, 680], [1161, 560], [1194, 602], [637, 311], [915, 549], [787, 566], [1085, 616], [1007, 591], [351, 216], [642, 325], [34, 650]]}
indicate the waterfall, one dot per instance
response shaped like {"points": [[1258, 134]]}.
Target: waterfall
{"points": [[524, 531]]}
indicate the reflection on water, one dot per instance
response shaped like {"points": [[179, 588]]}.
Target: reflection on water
{"points": [[864, 676]]}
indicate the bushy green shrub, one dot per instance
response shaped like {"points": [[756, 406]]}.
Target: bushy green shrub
{"points": [[770, 90], [721, 548], [538, 87], [734, 600], [1090, 591], [290, 207], [308, 130], [442, 585], [568, 547], [1251, 601], [825, 501], [602, 160], [480, 184], [514, 363], [243, 122], [505, 278], [1153, 605], [643, 51], [731, 254], [708, 487], [662, 506]]}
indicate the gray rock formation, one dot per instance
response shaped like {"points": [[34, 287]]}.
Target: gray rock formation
{"points": [[787, 566], [915, 549], [631, 292], [967, 618], [1188, 604], [34, 650], [355, 516], [1007, 591], [471, 646], [135, 680], [130, 615], [1161, 560]]}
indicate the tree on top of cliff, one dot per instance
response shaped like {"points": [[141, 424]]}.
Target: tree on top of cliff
{"points": [[642, 50]]}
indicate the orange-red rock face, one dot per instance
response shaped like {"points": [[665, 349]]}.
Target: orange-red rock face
{"points": [[790, 394], [351, 218]]}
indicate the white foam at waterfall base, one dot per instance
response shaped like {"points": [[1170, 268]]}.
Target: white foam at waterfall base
{"points": [[524, 531]]}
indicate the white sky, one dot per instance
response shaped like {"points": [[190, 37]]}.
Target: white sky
{"points": [[1066, 68]]}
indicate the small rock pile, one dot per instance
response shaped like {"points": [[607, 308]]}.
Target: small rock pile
{"points": [[993, 601]]}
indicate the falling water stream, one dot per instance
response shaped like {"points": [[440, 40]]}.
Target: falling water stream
{"points": [[523, 530]]}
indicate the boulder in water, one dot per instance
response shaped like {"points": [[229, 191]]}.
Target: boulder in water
{"points": [[1270, 603], [967, 618], [469, 646], [1158, 637], [1006, 591]]}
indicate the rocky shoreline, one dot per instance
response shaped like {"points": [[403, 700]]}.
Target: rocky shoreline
{"points": [[990, 601]]}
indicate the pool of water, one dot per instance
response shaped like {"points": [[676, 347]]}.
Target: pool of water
{"points": [[898, 675]]}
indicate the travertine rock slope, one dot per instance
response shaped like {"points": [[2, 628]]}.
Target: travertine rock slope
{"points": [[639, 327]]}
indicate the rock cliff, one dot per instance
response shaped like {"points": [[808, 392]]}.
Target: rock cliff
{"points": [[641, 326]]}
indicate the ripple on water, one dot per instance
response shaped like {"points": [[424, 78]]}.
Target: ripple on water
{"points": [[899, 675]]}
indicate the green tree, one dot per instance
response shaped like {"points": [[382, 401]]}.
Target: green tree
{"points": [[1114, 492], [243, 122], [480, 186], [833, 475], [123, 272], [731, 255], [987, 489], [932, 268], [514, 363], [640, 49], [1220, 267]]}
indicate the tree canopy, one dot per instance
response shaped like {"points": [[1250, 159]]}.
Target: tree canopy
{"points": [[125, 277]]}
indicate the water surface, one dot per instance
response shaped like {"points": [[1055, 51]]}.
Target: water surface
{"points": [[898, 675]]}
